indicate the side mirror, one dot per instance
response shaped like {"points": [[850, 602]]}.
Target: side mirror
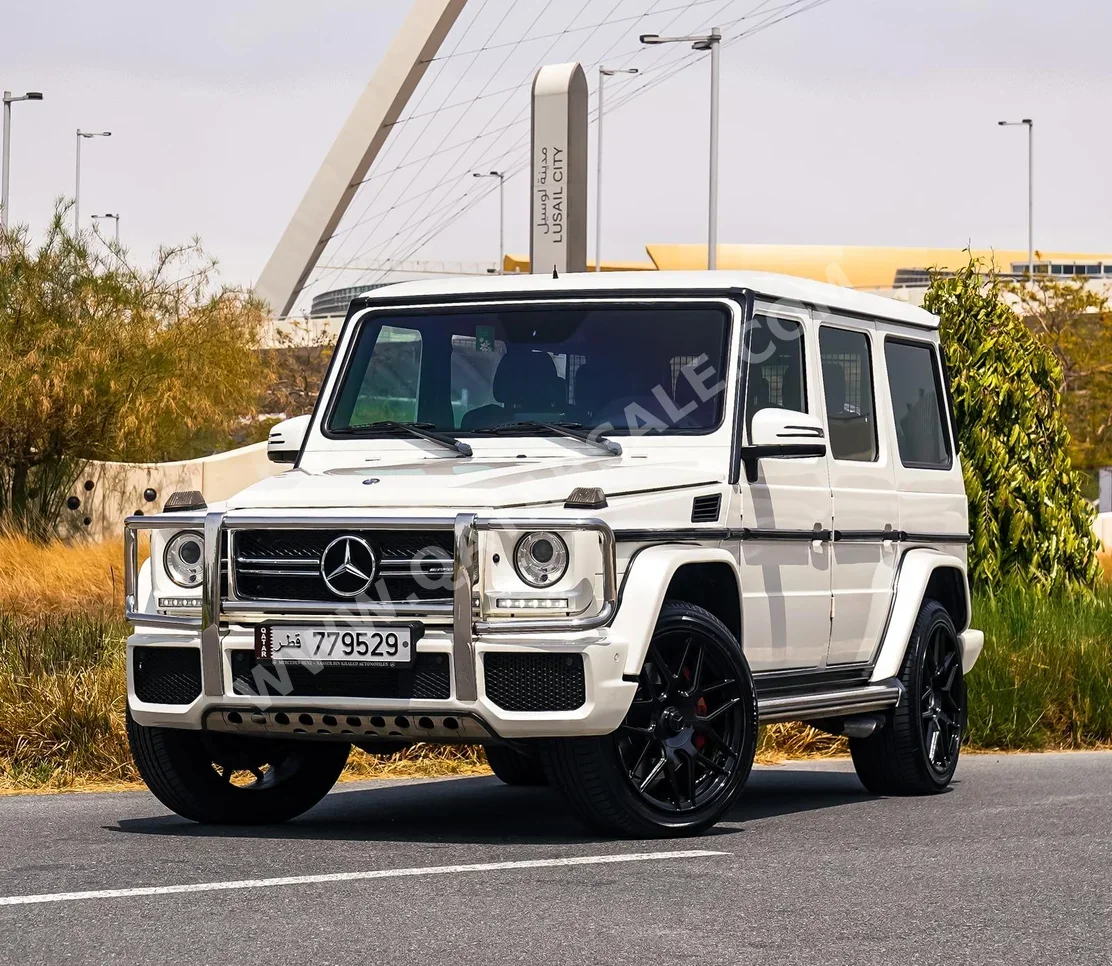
{"points": [[284, 442], [782, 434]]}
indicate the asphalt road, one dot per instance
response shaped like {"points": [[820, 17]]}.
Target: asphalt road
{"points": [[1014, 865]]}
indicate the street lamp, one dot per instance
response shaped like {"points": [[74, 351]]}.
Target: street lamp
{"points": [[1030, 125], [603, 73], [77, 190], [501, 176], [115, 218], [8, 102], [711, 42]]}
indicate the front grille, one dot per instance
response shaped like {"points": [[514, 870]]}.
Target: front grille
{"points": [[285, 564], [167, 675], [428, 678], [535, 682]]}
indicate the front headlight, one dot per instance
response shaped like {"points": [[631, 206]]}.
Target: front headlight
{"points": [[541, 558], [184, 558]]}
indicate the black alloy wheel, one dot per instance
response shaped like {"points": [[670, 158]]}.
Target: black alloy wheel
{"points": [[230, 779], [916, 751], [942, 700], [685, 749], [683, 735]]}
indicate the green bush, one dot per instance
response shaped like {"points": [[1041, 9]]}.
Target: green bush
{"points": [[1031, 525], [1044, 679]]}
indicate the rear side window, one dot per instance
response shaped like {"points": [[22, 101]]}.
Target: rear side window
{"points": [[915, 382], [847, 381]]}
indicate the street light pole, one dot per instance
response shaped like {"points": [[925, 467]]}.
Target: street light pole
{"points": [[603, 73], [501, 176], [1030, 125], [77, 178], [116, 219], [8, 102], [710, 42]]}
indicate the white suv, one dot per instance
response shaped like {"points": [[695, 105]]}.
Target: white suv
{"points": [[604, 525]]}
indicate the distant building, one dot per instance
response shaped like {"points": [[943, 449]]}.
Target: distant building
{"points": [[899, 272], [336, 302]]}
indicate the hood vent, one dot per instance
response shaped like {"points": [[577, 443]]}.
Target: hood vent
{"points": [[704, 509]]}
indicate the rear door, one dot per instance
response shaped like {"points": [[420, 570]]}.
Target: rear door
{"points": [[785, 513], [863, 485]]}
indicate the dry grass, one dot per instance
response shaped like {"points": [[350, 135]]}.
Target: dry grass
{"points": [[59, 578], [1042, 683], [62, 697]]}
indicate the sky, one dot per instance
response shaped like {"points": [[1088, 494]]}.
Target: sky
{"points": [[861, 122]]}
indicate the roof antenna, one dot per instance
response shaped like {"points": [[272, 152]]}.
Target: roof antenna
{"points": [[555, 274]]}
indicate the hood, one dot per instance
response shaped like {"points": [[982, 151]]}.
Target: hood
{"points": [[452, 483]]}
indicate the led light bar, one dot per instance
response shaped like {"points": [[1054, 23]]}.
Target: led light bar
{"points": [[174, 602], [531, 603]]}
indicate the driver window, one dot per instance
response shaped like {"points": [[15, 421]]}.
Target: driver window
{"points": [[775, 374]]}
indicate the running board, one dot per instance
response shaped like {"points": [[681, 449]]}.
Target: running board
{"points": [[831, 704]]}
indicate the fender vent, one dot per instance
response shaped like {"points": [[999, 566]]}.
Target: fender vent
{"points": [[704, 509]]}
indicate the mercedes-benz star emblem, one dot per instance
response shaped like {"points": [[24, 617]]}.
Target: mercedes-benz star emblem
{"points": [[348, 566]]}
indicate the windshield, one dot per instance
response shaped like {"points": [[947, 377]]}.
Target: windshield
{"points": [[614, 370]]}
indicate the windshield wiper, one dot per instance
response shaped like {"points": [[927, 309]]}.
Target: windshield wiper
{"points": [[570, 430], [421, 430]]}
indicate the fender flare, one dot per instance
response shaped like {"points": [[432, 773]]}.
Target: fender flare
{"points": [[914, 574], [643, 590]]}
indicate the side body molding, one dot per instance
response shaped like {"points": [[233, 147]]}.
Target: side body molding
{"points": [[911, 584], [644, 588]]}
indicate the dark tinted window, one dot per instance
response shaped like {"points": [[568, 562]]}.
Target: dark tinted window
{"points": [[631, 370], [774, 350], [916, 386], [847, 380]]}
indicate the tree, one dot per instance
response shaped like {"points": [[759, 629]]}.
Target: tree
{"points": [[1075, 323], [1030, 523], [102, 359]]}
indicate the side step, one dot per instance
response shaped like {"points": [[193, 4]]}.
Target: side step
{"points": [[831, 704]]}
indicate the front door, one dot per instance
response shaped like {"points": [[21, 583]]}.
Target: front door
{"points": [[784, 515], [863, 484]]}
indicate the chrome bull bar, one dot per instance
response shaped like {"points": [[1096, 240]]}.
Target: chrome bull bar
{"points": [[466, 623]]}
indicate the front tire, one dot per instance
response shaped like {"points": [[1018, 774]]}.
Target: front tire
{"points": [[513, 767], [221, 779], [916, 752], [685, 749]]}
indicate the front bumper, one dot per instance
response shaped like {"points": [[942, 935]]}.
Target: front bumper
{"points": [[223, 637], [607, 696]]}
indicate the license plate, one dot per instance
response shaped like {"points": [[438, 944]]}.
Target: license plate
{"points": [[351, 644]]}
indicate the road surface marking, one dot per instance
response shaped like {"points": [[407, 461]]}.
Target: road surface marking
{"points": [[169, 890]]}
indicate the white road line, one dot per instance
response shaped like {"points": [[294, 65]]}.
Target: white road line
{"points": [[169, 890]]}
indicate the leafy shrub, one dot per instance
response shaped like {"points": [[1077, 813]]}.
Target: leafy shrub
{"points": [[1029, 521], [103, 359]]}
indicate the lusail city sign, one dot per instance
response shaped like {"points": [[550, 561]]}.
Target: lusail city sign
{"points": [[558, 195]]}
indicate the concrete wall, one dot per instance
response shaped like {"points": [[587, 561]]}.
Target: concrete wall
{"points": [[108, 492], [1102, 527]]}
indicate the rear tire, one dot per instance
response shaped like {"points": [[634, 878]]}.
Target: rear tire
{"points": [[513, 767], [683, 753], [916, 752], [221, 779]]}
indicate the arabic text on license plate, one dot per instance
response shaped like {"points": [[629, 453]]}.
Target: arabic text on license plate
{"points": [[356, 644]]}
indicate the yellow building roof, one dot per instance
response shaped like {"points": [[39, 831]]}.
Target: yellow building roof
{"points": [[855, 266]]}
